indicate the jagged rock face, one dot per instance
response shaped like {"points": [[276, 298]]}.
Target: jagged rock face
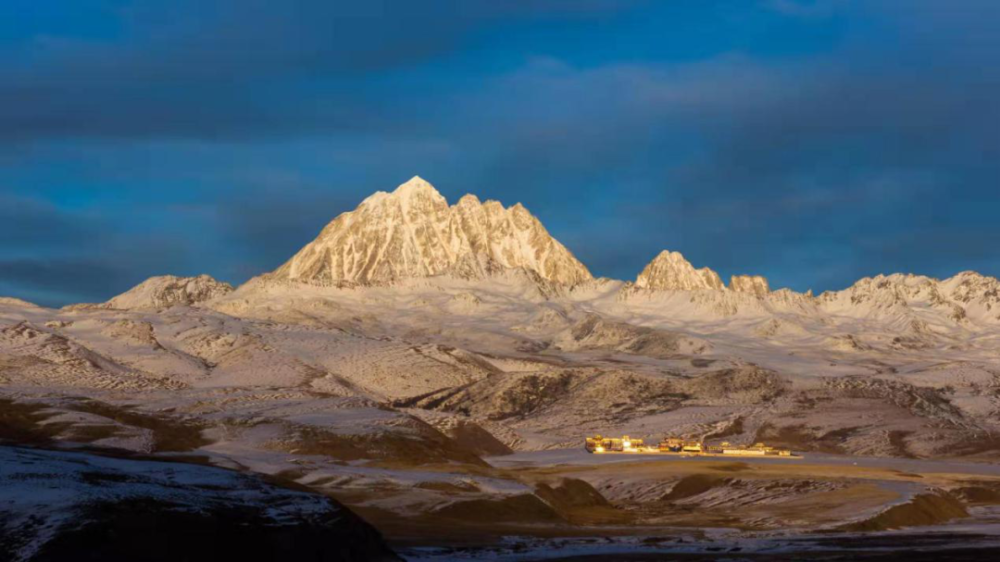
{"points": [[671, 272], [167, 290], [978, 294], [753, 284], [412, 232]]}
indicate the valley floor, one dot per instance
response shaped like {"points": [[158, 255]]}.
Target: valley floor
{"points": [[822, 507]]}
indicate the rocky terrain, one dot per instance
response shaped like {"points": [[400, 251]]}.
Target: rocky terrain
{"points": [[392, 358]]}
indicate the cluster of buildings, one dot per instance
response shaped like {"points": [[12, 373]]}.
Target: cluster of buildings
{"points": [[599, 444]]}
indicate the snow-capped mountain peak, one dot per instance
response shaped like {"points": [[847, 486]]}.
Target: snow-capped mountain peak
{"points": [[413, 232], [416, 184], [670, 271]]}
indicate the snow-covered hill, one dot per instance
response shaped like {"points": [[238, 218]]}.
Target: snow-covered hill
{"points": [[164, 291]]}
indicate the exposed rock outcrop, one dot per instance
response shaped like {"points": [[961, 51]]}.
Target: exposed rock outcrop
{"points": [[595, 332], [753, 284], [165, 291]]}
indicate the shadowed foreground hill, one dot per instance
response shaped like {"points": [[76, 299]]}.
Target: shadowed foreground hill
{"points": [[57, 506]]}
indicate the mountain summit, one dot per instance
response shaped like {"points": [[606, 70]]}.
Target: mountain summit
{"points": [[413, 232], [669, 271]]}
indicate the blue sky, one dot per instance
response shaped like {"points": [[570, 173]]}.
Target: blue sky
{"points": [[814, 142]]}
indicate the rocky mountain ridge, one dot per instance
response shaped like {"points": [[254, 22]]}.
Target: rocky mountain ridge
{"points": [[669, 271], [754, 284], [413, 232], [413, 235]]}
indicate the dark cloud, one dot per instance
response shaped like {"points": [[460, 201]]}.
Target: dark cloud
{"points": [[55, 256], [221, 69], [29, 224], [56, 282], [241, 128], [743, 164], [266, 227]]}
